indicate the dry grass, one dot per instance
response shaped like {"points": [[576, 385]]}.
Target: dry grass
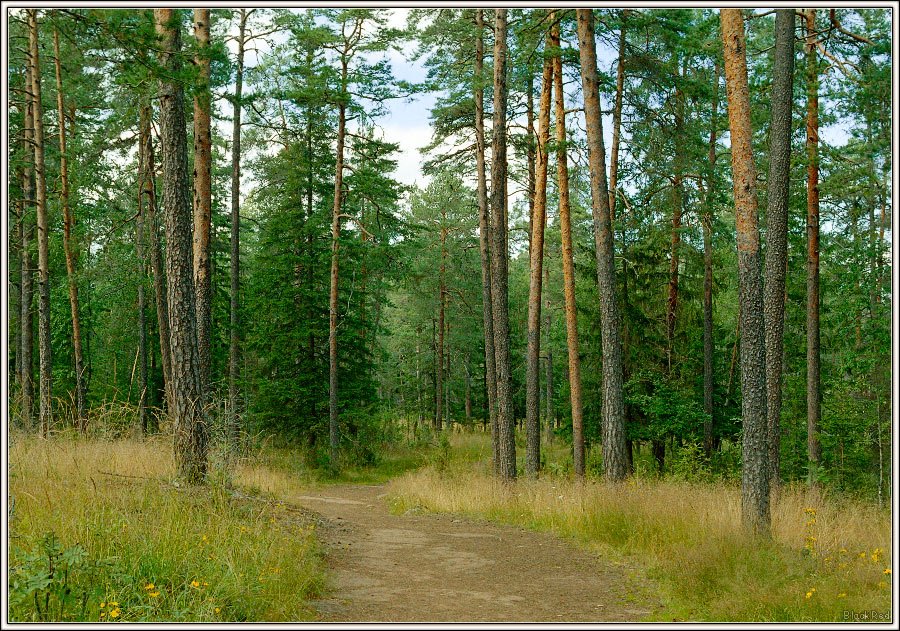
{"points": [[688, 537], [208, 555]]}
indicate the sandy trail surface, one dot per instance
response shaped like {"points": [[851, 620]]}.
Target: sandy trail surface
{"points": [[426, 567]]}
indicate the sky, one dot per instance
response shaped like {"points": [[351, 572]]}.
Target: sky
{"points": [[407, 121]]}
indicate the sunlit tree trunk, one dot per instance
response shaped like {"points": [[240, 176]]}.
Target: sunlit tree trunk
{"points": [[202, 197], [813, 385], [568, 261], [536, 256], [755, 479]]}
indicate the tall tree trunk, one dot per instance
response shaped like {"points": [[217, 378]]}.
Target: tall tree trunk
{"points": [[333, 293], [707, 221], [755, 479], [617, 121], [442, 305], [536, 256], [613, 432], [447, 379], [43, 228], [568, 261], [776, 229], [613, 184], [500, 255], [548, 379], [26, 320], [143, 400], [677, 209], [17, 212], [468, 392], [530, 150], [484, 238], [191, 431], [202, 198], [813, 386], [234, 350], [68, 246], [148, 170]]}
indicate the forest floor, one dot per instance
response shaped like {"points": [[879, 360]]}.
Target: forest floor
{"points": [[429, 567]]}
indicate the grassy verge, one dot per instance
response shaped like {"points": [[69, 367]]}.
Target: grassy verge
{"points": [[99, 533], [276, 469], [826, 556]]}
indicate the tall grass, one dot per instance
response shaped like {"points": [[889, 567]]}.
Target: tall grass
{"points": [[826, 555], [154, 551]]}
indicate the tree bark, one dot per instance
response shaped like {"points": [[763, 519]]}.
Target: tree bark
{"points": [[776, 229], [43, 229], [442, 304], [484, 238], [191, 431], [500, 254], [613, 429], [202, 197], [143, 401], [568, 262], [333, 437], [707, 221], [677, 210], [234, 350], [148, 170], [755, 480], [617, 121], [68, 246], [26, 350], [548, 379], [536, 256], [813, 386]]}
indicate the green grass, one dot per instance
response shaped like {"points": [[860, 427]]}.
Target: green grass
{"points": [[131, 546], [826, 555]]}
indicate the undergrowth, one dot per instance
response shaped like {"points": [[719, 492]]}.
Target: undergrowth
{"points": [[99, 531]]}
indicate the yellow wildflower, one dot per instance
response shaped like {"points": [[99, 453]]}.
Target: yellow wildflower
{"points": [[809, 595], [149, 586], [205, 584], [102, 614], [153, 594], [114, 613], [217, 610], [102, 605], [843, 550], [113, 604], [887, 570], [842, 595], [195, 584]]}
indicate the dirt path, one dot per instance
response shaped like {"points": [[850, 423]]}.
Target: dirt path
{"points": [[413, 567]]}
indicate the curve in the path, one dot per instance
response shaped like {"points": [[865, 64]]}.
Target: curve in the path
{"points": [[415, 567]]}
